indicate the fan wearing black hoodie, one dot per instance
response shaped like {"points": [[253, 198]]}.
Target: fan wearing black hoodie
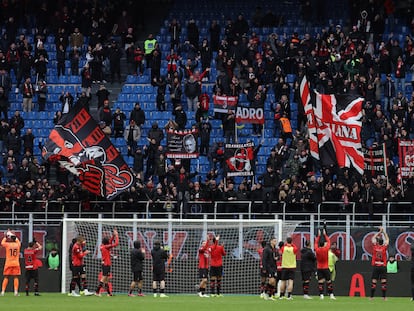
{"points": [[307, 267]]}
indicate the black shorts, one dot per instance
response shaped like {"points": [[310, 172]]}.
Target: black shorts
{"points": [[158, 276], [106, 270], [307, 275], [288, 274], [379, 273], [263, 273], [137, 276], [216, 271], [271, 274], [203, 273], [78, 270], [279, 274], [32, 274], [324, 274]]}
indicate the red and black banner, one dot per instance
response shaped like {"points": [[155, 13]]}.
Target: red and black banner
{"points": [[253, 115], [406, 153], [223, 104], [375, 161], [239, 159], [182, 144], [80, 146], [334, 122]]}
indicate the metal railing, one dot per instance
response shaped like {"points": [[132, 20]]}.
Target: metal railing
{"points": [[394, 213]]}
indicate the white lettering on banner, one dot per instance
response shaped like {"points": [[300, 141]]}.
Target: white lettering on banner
{"points": [[249, 113], [409, 160], [344, 131]]}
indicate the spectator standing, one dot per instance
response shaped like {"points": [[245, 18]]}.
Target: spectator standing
{"points": [[149, 46], [86, 80], [119, 118], [74, 57], [175, 31], [192, 92], [105, 113], [67, 102], [180, 117], [114, 55], [41, 91], [132, 135], [5, 86], [60, 58], [102, 94], [28, 93], [25, 66], [17, 122], [76, 39], [138, 115]]}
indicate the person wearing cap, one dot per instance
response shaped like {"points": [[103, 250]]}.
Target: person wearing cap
{"points": [[118, 118]]}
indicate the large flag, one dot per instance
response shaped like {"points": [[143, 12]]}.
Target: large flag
{"points": [[223, 104], [375, 161], [80, 146], [253, 115], [337, 121], [406, 153], [182, 144], [305, 95], [239, 159]]}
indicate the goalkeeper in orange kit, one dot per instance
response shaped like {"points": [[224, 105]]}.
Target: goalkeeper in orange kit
{"points": [[12, 264]]}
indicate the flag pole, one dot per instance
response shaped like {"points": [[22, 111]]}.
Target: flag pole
{"points": [[384, 152]]}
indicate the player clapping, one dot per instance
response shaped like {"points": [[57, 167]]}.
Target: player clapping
{"points": [[78, 268], [137, 258], [105, 248], [216, 266], [32, 264]]}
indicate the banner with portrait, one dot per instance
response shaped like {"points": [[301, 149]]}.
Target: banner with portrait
{"points": [[239, 159], [182, 144]]}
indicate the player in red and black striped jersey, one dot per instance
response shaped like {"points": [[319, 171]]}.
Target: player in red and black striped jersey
{"points": [[216, 266], [32, 265], [380, 243], [203, 265], [106, 246]]}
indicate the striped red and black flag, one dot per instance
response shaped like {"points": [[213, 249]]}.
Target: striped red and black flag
{"points": [[79, 145]]}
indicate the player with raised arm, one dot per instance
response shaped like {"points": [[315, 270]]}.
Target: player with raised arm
{"points": [[307, 267], [137, 258], [12, 264], [380, 243], [217, 252], [262, 271], [324, 275], [270, 256], [78, 267], [106, 246], [203, 265], [32, 265], [159, 257], [288, 251]]}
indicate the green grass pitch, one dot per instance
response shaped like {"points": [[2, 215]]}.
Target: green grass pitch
{"points": [[60, 302]]}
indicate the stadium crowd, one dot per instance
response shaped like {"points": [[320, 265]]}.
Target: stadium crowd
{"points": [[354, 58]]}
